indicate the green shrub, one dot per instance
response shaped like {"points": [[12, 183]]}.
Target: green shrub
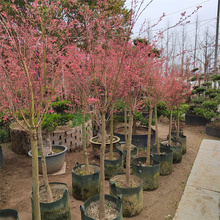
{"points": [[212, 95], [138, 116], [145, 122], [208, 109], [195, 87], [3, 134], [217, 98], [119, 105], [193, 78], [215, 77], [50, 122], [61, 106], [200, 90], [207, 84], [182, 110], [209, 105], [198, 100], [210, 90], [118, 118], [162, 110]]}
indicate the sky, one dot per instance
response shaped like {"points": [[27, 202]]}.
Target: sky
{"points": [[173, 8]]}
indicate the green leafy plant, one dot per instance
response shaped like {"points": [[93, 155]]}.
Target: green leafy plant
{"points": [[3, 134], [200, 90], [193, 78], [50, 122], [162, 110], [182, 110], [207, 84], [77, 119], [198, 100], [215, 77], [62, 106], [208, 109]]}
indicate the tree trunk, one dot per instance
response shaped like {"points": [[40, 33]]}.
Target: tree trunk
{"points": [[86, 160], [111, 134], [149, 136], [48, 150], [134, 127], [157, 135], [102, 171], [178, 122], [170, 125], [35, 174], [44, 167], [128, 156], [126, 129]]}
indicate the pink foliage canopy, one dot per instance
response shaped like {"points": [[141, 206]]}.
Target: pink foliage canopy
{"points": [[30, 63]]}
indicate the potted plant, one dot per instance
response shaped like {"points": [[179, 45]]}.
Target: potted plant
{"points": [[139, 130], [132, 194], [176, 90], [148, 167], [98, 72], [34, 67]]}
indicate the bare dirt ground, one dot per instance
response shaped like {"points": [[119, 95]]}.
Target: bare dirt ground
{"points": [[16, 180]]}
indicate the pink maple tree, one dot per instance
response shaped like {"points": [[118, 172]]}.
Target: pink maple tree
{"points": [[177, 90], [30, 66], [94, 70]]}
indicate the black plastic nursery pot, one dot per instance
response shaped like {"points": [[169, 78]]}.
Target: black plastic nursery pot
{"points": [[85, 186], [165, 158], [121, 148], [54, 162], [97, 145], [109, 200], [195, 120], [176, 147], [9, 214], [113, 166], [140, 141], [132, 198], [212, 131], [182, 139], [173, 132], [56, 210], [149, 174]]}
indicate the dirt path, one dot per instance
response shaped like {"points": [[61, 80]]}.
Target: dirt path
{"points": [[15, 180]]}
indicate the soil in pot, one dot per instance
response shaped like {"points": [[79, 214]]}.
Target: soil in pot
{"points": [[176, 147], [97, 144], [113, 208], [132, 197], [85, 186], [149, 174], [59, 208], [111, 211], [113, 166]]}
